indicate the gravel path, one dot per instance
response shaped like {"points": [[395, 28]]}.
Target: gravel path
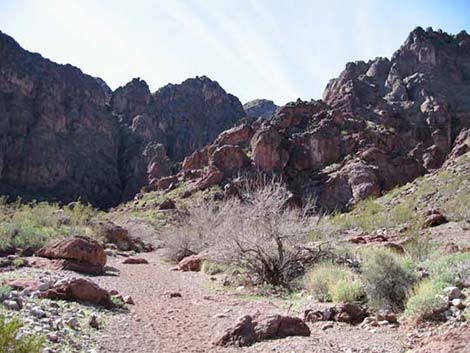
{"points": [[158, 323]]}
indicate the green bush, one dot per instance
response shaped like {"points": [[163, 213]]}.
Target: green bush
{"points": [[425, 302], [329, 282], [34, 224], [347, 290], [10, 343], [212, 267], [387, 278], [450, 269], [5, 291]]}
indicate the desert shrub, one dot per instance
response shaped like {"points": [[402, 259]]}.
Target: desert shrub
{"points": [[10, 343], [212, 268], [420, 246], [450, 269], [387, 278], [347, 290], [118, 302], [330, 282], [4, 291], [34, 224], [261, 235], [192, 232], [265, 237], [424, 302]]}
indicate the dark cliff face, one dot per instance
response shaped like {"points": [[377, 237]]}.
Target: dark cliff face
{"points": [[179, 118], [57, 139], [193, 113], [64, 135], [381, 124]]}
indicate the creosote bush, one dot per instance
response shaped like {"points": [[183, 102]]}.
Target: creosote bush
{"points": [[425, 302], [330, 282], [212, 268], [10, 343], [24, 225], [387, 278]]}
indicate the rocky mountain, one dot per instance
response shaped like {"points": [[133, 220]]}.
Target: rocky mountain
{"points": [[64, 135], [260, 108], [380, 124], [57, 137]]}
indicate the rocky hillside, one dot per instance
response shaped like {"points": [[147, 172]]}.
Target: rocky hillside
{"points": [[380, 124], [64, 135]]}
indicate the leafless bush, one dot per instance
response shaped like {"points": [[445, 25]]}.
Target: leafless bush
{"points": [[261, 233], [191, 232], [264, 236]]}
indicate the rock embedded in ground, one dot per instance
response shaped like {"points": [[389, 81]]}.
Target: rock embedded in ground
{"points": [[453, 293], [168, 204], [80, 290], [135, 261], [350, 313], [191, 263], [248, 330]]}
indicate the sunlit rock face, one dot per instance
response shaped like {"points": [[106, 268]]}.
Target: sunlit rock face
{"points": [[380, 124]]}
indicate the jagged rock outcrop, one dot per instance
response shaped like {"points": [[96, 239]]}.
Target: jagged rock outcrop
{"points": [[260, 108], [168, 125], [380, 124], [64, 135]]}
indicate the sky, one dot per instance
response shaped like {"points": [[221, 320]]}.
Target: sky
{"points": [[274, 49]]}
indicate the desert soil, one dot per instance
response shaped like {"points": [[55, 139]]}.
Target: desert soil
{"points": [[159, 323]]}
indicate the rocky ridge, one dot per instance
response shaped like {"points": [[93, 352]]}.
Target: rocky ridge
{"points": [[65, 135], [380, 124]]}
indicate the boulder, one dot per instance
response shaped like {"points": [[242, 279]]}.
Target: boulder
{"points": [[350, 313], [79, 290], [191, 263], [240, 335], [434, 218], [82, 254], [277, 326], [238, 135], [248, 330], [229, 159], [167, 204], [267, 150]]}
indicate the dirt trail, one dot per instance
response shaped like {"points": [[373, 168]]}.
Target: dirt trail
{"points": [[158, 323]]}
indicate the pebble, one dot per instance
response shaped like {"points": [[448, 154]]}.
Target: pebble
{"points": [[93, 321], [128, 300], [11, 304], [38, 312], [73, 323], [458, 303], [53, 337]]}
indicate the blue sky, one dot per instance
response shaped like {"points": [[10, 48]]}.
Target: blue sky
{"points": [[276, 49]]}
